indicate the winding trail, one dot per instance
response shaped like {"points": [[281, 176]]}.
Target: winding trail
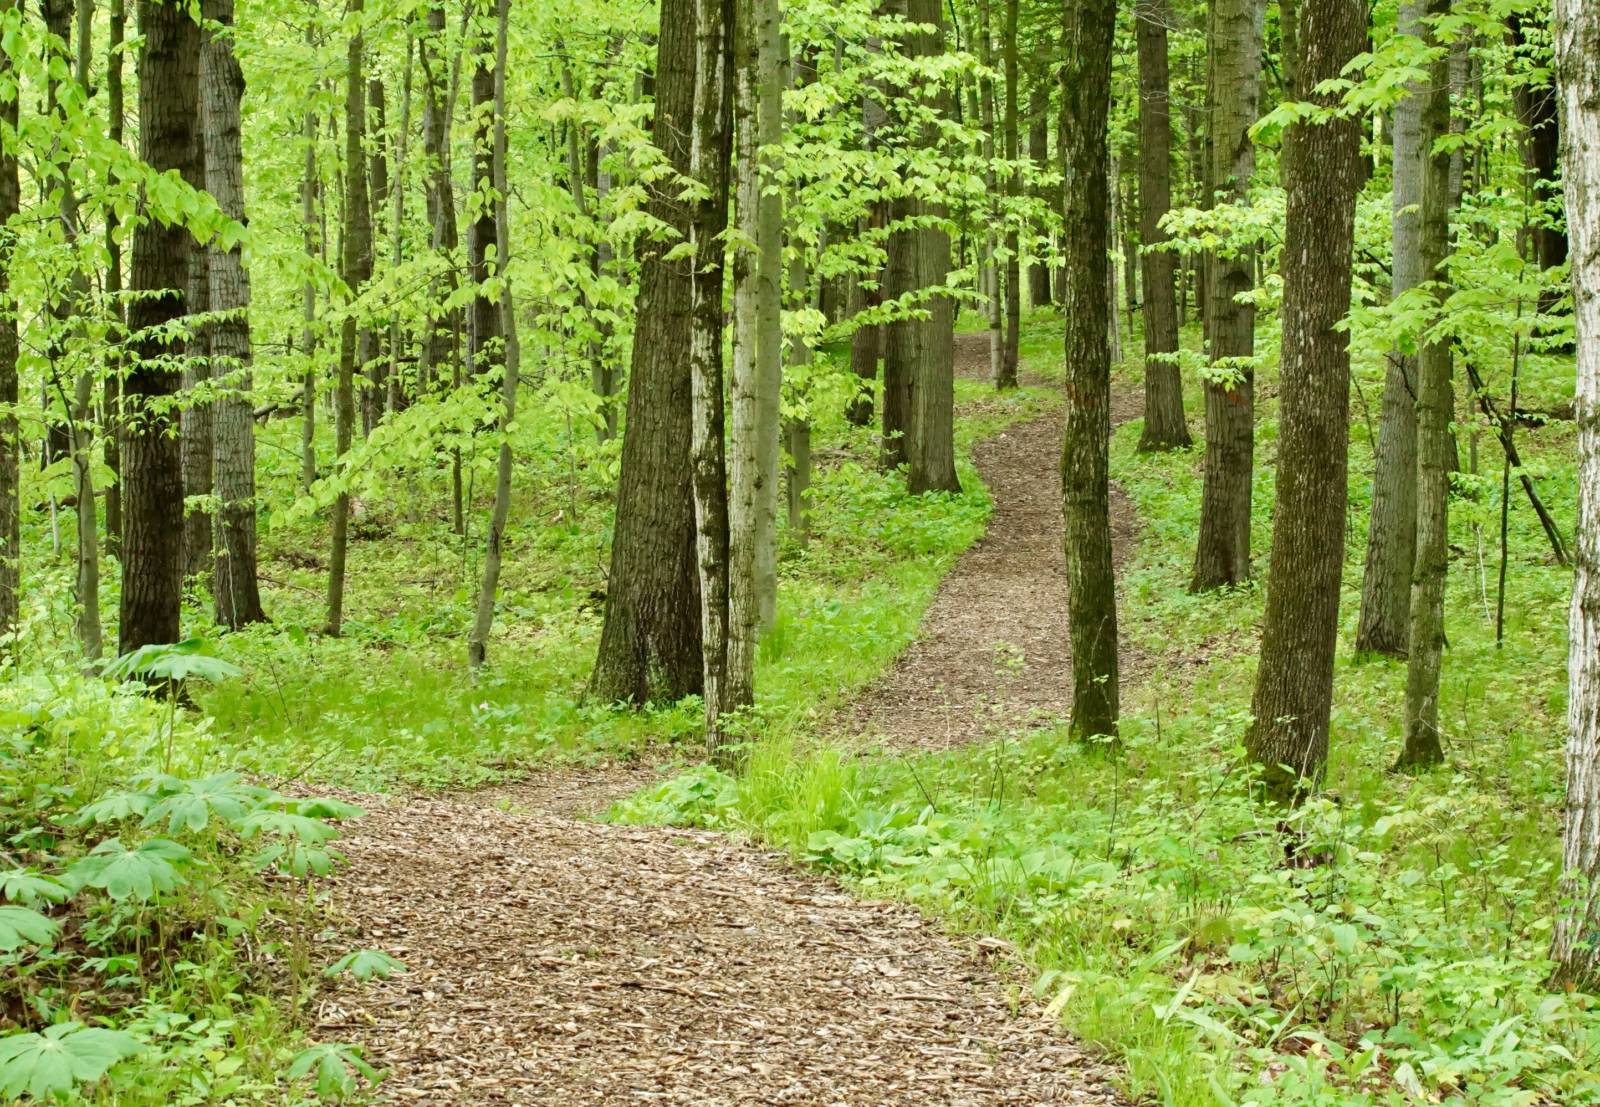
{"points": [[555, 960]]}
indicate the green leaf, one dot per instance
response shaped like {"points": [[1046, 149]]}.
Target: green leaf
{"points": [[366, 964], [51, 1063], [27, 887], [332, 1063], [21, 926], [139, 874]]}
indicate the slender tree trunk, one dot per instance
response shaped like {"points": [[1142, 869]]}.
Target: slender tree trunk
{"points": [[650, 649], [10, 440], [1091, 578], [1435, 445], [375, 362], [1541, 150], [235, 587], [478, 642], [1577, 937], [1294, 683], [1039, 154], [356, 262], [866, 343], [757, 340], [1013, 188], [198, 419], [1164, 425], [152, 537], [1222, 554], [395, 393], [1385, 623], [989, 269], [484, 352], [710, 134], [308, 329], [112, 388]]}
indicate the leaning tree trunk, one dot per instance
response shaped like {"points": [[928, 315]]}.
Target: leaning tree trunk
{"points": [[1091, 576], [236, 591], [10, 441], [650, 642], [1010, 354], [152, 536], [356, 263], [1222, 554], [1385, 624], [1164, 426], [1577, 937], [1435, 445], [1294, 683]]}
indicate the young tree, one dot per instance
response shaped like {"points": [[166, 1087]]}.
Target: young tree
{"points": [[236, 591], [1039, 154], [356, 266], [152, 536], [1013, 189], [1435, 444], [989, 269], [484, 351], [1222, 554], [1164, 426], [1294, 683], [1577, 936], [1085, 478], [650, 641], [10, 440], [117, 20], [1385, 625]]}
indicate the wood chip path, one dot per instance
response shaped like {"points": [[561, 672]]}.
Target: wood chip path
{"points": [[555, 960]]}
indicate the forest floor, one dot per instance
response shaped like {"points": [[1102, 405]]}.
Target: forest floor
{"points": [[554, 959]]}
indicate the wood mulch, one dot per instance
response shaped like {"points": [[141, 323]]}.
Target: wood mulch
{"points": [[555, 960]]}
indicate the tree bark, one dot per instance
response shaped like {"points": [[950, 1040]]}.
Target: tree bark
{"points": [[112, 390], [235, 588], [356, 263], [484, 346], [1039, 154], [1577, 936], [1541, 151], [197, 422], [1294, 683], [1385, 624], [650, 644], [1091, 577], [1222, 554], [308, 328], [1164, 425], [152, 537], [1435, 445], [989, 273]]}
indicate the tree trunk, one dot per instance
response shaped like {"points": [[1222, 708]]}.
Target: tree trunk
{"points": [[1541, 150], [1385, 623], [1577, 937], [484, 351], [650, 644], [395, 392], [308, 331], [112, 390], [1164, 426], [1435, 445], [235, 587], [1039, 154], [438, 346], [1294, 683], [1222, 554], [1013, 188], [375, 364], [989, 275], [478, 641], [198, 419], [356, 262], [1091, 577], [10, 441], [152, 536]]}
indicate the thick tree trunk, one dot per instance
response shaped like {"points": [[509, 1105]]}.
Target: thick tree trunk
{"points": [[10, 441], [235, 587], [1039, 154], [650, 644], [1091, 578], [1541, 150], [1577, 937], [1435, 444], [1294, 683], [757, 340], [1385, 624], [1013, 188], [1164, 426], [152, 536], [1222, 554], [356, 263], [198, 419]]}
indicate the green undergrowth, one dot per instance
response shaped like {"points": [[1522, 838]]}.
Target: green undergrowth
{"points": [[1383, 945]]}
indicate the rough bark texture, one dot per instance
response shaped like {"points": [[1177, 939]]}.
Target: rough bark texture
{"points": [[1222, 555], [1577, 936], [1085, 484], [152, 535], [1385, 625], [356, 264], [1435, 445], [1294, 683], [650, 644], [10, 443], [197, 420], [235, 588], [1164, 426]]}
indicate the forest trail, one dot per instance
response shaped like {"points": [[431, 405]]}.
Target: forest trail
{"points": [[992, 655], [556, 960]]}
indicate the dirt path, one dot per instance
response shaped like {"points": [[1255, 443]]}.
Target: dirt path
{"points": [[554, 960], [992, 655]]}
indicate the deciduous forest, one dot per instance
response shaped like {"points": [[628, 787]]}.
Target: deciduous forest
{"points": [[871, 552]]}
